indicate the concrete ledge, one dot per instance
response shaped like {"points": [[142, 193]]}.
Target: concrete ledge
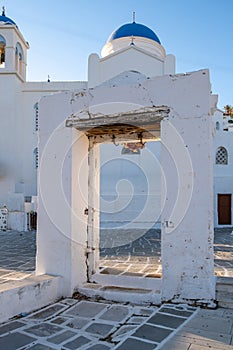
{"points": [[224, 280], [27, 295], [127, 281], [121, 294]]}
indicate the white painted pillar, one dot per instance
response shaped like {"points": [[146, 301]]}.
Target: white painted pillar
{"points": [[187, 218], [93, 232], [63, 189]]}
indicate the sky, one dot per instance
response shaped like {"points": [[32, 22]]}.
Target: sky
{"points": [[62, 34]]}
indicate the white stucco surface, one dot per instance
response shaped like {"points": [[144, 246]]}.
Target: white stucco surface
{"points": [[61, 239], [187, 228]]}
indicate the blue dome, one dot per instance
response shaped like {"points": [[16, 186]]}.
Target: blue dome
{"points": [[134, 29], [5, 19]]}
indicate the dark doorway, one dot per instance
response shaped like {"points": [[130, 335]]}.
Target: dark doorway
{"points": [[224, 209], [33, 220]]}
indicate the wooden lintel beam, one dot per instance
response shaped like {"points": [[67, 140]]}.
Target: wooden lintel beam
{"points": [[132, 122]]}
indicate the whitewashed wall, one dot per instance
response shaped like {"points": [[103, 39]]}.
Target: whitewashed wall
{"points": [[187, 218]]}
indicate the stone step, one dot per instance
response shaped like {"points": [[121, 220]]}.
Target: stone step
{"points": [[128, 281], [225, 305], [224, 281], [224, 292], [28, 294], [224, 296], [224, 288], [121, 294]]}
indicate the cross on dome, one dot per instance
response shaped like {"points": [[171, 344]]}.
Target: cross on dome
{"points": [[4, 20], [134, 15]]}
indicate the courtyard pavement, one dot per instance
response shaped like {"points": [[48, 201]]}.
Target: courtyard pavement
{"points": [[81, 323], [142, 256], [17, 255], [101, 325]]}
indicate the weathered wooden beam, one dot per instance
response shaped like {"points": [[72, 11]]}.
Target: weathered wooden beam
{"points": [[132, 122], [122, 138]]}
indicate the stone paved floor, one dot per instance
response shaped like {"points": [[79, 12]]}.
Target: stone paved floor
{"points": [[142, 256], [139, 258], [100, 325], [17, 255], [223, 252]]}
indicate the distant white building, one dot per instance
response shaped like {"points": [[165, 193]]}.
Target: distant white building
{"points": [[132, 47], [19, 124], [223, 169]]}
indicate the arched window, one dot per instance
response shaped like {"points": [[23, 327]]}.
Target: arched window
{"points": [[217, 125], [19, 58], [36, 158], [2, 51], [221, 156], [36, 116]]}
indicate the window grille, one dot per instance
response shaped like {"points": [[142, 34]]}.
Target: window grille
{"points": [[36, 158], [221, 156], [36, 117]]}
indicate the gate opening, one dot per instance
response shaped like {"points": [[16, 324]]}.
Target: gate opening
{"points": [[130, 207], [127, 245]]}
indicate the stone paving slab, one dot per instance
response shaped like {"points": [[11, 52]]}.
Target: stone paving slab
{"points": [[220, 336], [85, 309], [153, 333], [166, 320], [61, 337], [41, 347], [177, 311], [214, 324], [136, 344], [72, 324], [77, 343], [202, 341], [48, 312], [15, 341], [88, 324], [176, 345], [198, 347], [43, 329], [11, 326], [115, 313], [77, 322], [101, 330], [122, 332], [100, 346]]}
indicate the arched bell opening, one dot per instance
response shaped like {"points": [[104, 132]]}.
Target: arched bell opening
{"points": [[19, 57], [2, 51]]}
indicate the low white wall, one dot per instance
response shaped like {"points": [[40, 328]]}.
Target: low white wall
{"points": [[27, 295]]}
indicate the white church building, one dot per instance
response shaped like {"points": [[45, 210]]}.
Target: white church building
{"points": [[132, 48]]}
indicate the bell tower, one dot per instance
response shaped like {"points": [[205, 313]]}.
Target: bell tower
{"points": [[13, 48]]}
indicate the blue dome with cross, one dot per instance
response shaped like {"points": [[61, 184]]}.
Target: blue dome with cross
{"points": [[6, 20], [133, 30]]}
